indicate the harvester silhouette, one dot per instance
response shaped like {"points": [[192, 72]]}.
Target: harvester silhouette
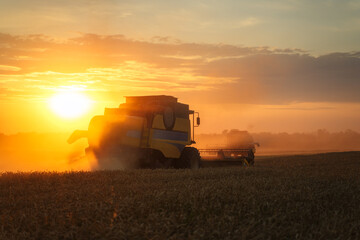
{"points": [[146, 132]]}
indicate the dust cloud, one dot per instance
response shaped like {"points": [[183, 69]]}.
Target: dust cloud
{"points": [[284, 143], [41, 152], [51, 152]]}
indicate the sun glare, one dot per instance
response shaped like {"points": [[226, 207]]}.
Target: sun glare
{"points": [[70, 104]]}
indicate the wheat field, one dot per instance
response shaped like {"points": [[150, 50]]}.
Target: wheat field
{"points": [[288, 197]]}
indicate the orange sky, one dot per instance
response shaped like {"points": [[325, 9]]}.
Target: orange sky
{"points": [[258, 84]]}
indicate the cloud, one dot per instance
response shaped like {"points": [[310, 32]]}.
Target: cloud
{"points": [[251, 21], [215, 72], [294, 77], [9, 68]]}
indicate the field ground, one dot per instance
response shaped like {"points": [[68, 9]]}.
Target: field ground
{"points": [[287, 197]]}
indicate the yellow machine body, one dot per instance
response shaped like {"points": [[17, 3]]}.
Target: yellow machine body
{"points": [[142, 123], [137, 134]]}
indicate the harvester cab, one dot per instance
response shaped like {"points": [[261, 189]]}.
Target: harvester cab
{"points": [[145, 131]]}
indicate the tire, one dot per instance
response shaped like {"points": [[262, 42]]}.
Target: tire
{"points": [[251, 158], [190, 158]]}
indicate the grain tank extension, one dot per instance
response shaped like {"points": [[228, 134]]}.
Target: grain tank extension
{"points": [[143, 132]]}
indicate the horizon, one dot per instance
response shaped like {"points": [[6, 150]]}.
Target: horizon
{"points": [[51, 152], [206, 133]]}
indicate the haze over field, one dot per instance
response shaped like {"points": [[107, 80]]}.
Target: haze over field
{"points": [[50, 152]]}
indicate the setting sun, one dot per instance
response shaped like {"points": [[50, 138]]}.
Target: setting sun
{"points": [[70, 104]]}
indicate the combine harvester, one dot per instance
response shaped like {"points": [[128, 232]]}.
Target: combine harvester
{"points": [[148, 132]]}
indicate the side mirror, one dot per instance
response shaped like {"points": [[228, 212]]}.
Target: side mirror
{"points": [[198, 121]]}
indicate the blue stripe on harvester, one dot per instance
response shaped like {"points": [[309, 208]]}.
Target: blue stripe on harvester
{"points": [[169, 135], [179, 146], [133, 133]]}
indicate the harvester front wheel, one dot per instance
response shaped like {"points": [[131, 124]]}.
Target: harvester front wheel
{"points": [[190, 158], [251, 157]]}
